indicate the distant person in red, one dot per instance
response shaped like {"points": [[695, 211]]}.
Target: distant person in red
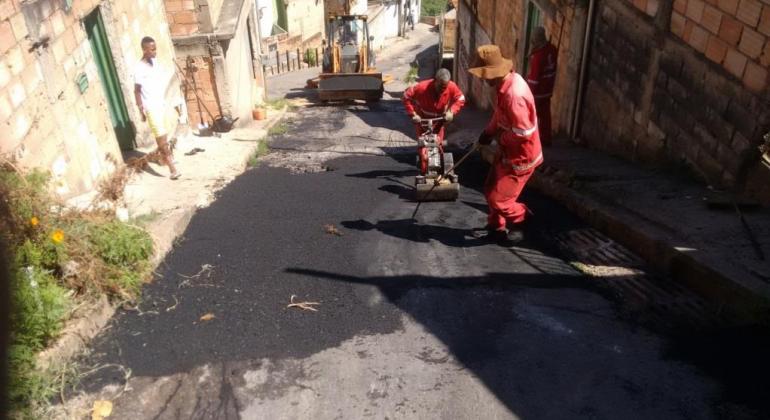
{"points": [[433, 98], [541, 77]]}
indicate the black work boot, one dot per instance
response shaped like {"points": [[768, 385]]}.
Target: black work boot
{"points": [[508, 238], [484, 232]]}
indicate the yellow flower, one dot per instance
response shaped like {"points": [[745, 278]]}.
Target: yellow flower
{"points": [[57, 236], [34, 221]]}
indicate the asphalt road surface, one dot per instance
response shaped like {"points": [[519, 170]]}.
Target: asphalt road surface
{"points": [[416, 318]]}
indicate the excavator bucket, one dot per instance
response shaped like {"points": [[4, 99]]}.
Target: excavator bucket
{"points": [[341, 86]]}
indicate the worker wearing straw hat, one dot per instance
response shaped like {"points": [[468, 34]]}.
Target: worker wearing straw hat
{"points": [[514, 124]]}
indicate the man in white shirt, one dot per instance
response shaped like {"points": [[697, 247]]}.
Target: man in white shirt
{"points": [[150, 91]]}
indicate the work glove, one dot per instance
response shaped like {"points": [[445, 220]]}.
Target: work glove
{"points": [[485, 139], [448, 116], [416, 119]]}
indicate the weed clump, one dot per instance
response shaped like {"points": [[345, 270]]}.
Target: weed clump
{"points": [[57, 258]]}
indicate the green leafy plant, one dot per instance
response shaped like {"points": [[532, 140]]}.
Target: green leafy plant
{"points": [[310, 57], [411, 75], [262, 150], [433, 7], [57, 257]]}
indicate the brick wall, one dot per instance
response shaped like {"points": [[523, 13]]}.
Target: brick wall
{"points": [[187, 17], [199, 73], [45, 121], [732, 34], [503, 23], [680, 92], [182, 16]]}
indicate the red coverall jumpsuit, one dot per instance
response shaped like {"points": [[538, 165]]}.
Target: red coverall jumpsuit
{"points": [[518, 154], [542, 74], [423, 100]]}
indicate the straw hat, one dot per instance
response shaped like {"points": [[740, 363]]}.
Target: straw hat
{"points": [[494, 64]]}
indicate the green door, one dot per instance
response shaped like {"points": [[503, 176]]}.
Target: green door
{"points": [[124, 129], [534, 19]]}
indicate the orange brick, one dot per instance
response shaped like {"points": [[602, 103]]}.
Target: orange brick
{"points": [[677, 24], [699, 38], [749, 11], [59, 51], [19, 26], [173, 6], [5, 108], [765, 59], [730, 30], [755, 77], [641, 4], [6, 10], [688, 27], [7, 39], [652, 7], [15, 60], [57, 23], [695, 10], [735, 63], [751, 43], [764, 21], [711, 20], [185, 17], [680, 6], [716, 49], [70, 42], [728, 6], [188, 5]]}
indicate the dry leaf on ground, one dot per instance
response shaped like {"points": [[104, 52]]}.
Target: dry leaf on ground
{"points": [[332, 230], [208, 317], [307, 306], [101, 410]]}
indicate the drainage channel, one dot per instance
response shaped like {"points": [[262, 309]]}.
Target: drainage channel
{"points": [[643, 297]]}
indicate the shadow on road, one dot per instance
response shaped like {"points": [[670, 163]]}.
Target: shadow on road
{"points": [[411, 230]]}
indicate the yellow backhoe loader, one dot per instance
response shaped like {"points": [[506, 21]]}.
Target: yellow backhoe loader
{"points": [[348, 70]]}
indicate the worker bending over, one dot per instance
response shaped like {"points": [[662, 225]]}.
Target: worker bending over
{"points": [[433, 98]]}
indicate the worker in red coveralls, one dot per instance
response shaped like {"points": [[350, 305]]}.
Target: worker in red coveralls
{"points": [[541, 77], [514, 123], [433, 98]]}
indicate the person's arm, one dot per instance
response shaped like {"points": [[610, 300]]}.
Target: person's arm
{"points": [[138, 98], [407, 100], [458, 99]]}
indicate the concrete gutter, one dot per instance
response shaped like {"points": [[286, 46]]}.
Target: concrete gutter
{"points": [[667, 247]]}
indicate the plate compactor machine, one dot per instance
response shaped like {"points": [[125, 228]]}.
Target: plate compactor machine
{"points": [[437, 180], [348, 61]]}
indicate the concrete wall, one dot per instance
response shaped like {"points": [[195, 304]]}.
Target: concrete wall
{"points": [[266, 14], [305, 17], [219, 64], [685, 87], [383, 23], [45, 121]]}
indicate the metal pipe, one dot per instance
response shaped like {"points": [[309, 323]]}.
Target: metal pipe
{"points": [[577, 105]]}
